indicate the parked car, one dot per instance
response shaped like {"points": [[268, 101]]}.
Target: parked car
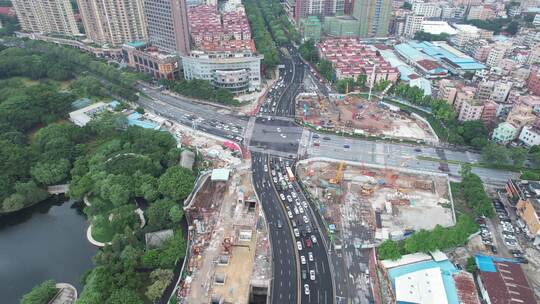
{"points": [[494, 249], [304, 274], [303, 260], [310, 256], [306, 289], [522, 260]]}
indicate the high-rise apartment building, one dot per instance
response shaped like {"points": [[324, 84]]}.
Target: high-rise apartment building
{"points": [[113, 22], [167, 24], [429, 10], [373, 17], [305, 8], [46, 16], [413, 24]]}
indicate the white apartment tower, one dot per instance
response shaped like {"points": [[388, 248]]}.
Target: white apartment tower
{"points": [[113, 22], [413, 24], [428, 10], [46, 16]]}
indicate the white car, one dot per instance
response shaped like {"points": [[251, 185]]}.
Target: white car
{"points": [[310, 256], [274, 179], [303, 260], [306, 220], [289, 198], [314, 239], [296, 232], [290, 214], [282, 196], [279, 130], [301, 209], [304, 203], [273, 172], [299, 245], [294, 195], [283, 135], [265, 168], [312, 275], [295, 210], [306, 289]]}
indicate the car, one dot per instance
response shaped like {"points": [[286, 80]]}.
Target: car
{"points": [[282, 196], [274, 179], [309, 243], [522, 260], [304, 274], [314, 239], [308, 229], [289, 198], [299, 245], [300, 209], [326, 138], [283, 135], [290, 214], [515, 251], [510, 243], [510, 237], [273, 172], [517, 255], [293, 224], [291, 186], [304, 203], [294, 195], [303, 260], [346, 146], [279, 224], [494, 249], [306, 220], [310, 256], [315, 136], [417, 150], [306, 289], [296, 210], [279, 130], [296, 232], [312, 275]]}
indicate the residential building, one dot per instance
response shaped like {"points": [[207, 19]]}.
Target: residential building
{"points": [[495, 55], [533, 83], [521, 115], [113, 22], [350, 59], [481, 12], [501, 90], [502, 280], [530, 136], [471, 110], [484, 90], [536, 21], [147, 59], [429, 9], [239, 72], [466, 32], [374, 17], [447, 91], [46, 16], [310, 28], [534, 55], [321, 8], [413, 24], [464, 94], [489, 114], [525, 195], [504, 133], [167, 25]]}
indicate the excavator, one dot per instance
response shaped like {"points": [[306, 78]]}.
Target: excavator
{"points": [[339, 174]]}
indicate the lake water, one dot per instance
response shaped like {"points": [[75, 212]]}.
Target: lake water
{"points": [[46, 241]]}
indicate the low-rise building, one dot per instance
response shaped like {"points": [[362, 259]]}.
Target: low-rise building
{"points": [[502, 280], [504, 133], [83, 116], [447, 91], [533, 83], [150, 60], [530, 136], [471, 110], [238, 72], [525, 195], [489, 114]]}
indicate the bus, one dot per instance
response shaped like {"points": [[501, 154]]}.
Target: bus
{"points": [[289, 173]]}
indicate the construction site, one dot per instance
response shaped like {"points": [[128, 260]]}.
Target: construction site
{"points": [[229, 256], [366, 204], [354, 114]]}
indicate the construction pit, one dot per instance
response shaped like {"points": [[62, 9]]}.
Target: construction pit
{"points": [[229, 260], [358, 115], [366, 204]]}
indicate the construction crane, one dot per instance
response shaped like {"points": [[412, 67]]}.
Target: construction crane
{"points": [[339, 174]]}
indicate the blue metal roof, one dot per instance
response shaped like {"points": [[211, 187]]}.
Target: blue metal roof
{"points": [[463, 62]]}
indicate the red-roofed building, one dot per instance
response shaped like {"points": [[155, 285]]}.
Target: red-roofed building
{"points": [[350, 59], [506, 285], [465, 287], [7, 11]]}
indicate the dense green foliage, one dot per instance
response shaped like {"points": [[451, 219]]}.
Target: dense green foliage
{"points": [[475, 194], [41, 293], [497, 25], [443, 120], [423, 36], [263, 39], [439, 238], [201, 89], [277, 22], [308, 51], [500, 155]]}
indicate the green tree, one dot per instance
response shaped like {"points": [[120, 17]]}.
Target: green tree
{"points": [[518, 155], [176, 183], [493, 153], [176, 214], [389, 250], [471, 265], [125, 296], [41, 293], [158, 214], [325, 68], [50, 173]]}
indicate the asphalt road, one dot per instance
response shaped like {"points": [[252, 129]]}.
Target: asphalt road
{"points": [[284, 261], [320, 288], [400, 155]]}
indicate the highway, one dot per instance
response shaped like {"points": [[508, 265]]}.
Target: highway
{"points": [[284, 258]]}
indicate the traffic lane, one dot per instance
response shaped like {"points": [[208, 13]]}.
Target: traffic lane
{"points": [[284, 288], [321, 288]]}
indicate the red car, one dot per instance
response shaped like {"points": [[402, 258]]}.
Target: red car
{"points": [[308, 243]]}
